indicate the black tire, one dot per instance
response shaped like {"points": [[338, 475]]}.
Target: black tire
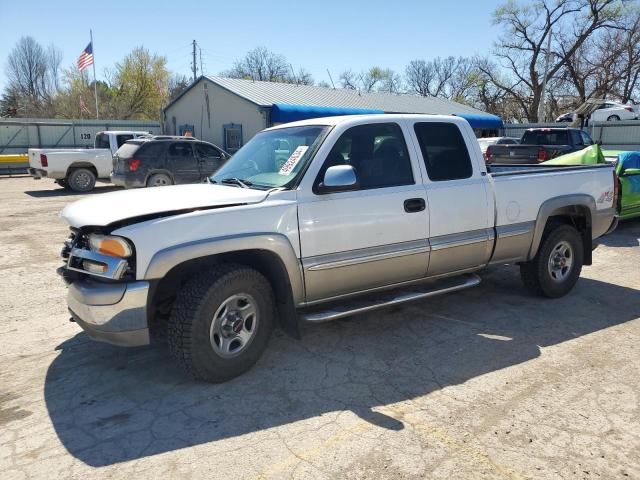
{"points": [[537, 274], [81, 180], [64, 184], [613, 118], [189, 331], [159, 180]]}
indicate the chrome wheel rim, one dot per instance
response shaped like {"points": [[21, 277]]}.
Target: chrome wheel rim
{"points": [[560, 261], [234, 325], [82, 180], [160, 181]]}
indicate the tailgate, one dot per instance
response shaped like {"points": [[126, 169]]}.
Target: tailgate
{"points": [[512, 154]]}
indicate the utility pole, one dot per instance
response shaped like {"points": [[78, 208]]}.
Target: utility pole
{"points": [[201, 69], [194, 65], [541, 105], [332, 84]]}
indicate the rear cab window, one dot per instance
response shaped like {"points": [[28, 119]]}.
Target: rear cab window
{"points": [[545, 137], [121, 139], [444, 151], [102, 141]]}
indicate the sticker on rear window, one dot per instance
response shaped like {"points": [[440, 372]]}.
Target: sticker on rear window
{"points": [[293, 160]]}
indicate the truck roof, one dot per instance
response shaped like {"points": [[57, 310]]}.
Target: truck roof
{"points": [[356, 119], [127, 132]]}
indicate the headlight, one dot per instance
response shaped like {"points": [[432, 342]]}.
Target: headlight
{"points": [[110, 245]]}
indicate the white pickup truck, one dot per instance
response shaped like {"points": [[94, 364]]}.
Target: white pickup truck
{"points": [[79, 168], [318, 220]]}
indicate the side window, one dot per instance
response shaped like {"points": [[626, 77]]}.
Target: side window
{"points": [[207, 151], [152, 150], [444, 151], [377, 152], [182, 149], [575, 137], [586, 139], [120, 139]]}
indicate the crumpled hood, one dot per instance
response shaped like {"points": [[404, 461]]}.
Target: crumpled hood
{"points": [[105, 208]]}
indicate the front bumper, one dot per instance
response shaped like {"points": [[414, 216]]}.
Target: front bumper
{"points": [[115, 313], [126, 181]]}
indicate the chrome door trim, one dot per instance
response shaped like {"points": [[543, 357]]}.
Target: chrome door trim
{"points": [[365, 255], [523, 228], [460, 239]]}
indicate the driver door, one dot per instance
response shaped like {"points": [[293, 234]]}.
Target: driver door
{"points": [[375, 235]]}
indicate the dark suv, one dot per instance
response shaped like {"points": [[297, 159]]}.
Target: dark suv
{"points": [[158, 161]]}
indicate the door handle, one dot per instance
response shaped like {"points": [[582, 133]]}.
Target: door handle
{"points": [[412, 205]]}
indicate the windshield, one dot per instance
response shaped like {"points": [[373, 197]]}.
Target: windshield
{"points": [[102, 140], [548, 137], [273, 158]]}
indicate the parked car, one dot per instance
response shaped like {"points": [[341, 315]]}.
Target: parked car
{"points": [[78, 168], [539, 145], [165, 160], [610, 111], [566, 117], [350, 219], [486, 141]]}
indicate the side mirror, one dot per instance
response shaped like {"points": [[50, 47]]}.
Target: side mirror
{"points": [[631, 171], [339, 178]]}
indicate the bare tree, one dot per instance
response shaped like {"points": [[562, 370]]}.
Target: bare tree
{"points": [[375, 79], [261, 64], [521, 49]]}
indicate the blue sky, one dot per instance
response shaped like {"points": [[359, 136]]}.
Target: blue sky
{"points": [[316, 35]]}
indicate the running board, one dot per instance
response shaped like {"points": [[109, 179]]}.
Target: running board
{"points": [[354, 306]]}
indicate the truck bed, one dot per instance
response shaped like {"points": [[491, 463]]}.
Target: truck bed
{"points": [[504, 169]]}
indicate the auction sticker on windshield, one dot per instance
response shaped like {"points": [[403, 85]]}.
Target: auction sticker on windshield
{"points": [[293, 160]]}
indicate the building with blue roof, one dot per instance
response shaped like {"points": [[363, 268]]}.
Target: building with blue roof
{"points": [[229, 111]]}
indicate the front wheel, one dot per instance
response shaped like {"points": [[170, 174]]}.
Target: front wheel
{"points": [[556, 267], [221, 322], [613, 118]]}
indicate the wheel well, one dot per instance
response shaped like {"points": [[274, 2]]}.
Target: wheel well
{"points": [[264, 261], [75, 166], [579, 217]]}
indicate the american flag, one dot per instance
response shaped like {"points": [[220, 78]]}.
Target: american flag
{"points": [[86, 57]]}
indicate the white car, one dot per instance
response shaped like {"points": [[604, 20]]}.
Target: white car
{"points": [[79, 168], [611, 111], [356, 213]]}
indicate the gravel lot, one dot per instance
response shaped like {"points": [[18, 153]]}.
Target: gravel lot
{"points": [[488, 383]]}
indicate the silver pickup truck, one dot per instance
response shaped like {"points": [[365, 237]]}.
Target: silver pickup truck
{"points": [[318, 220]]}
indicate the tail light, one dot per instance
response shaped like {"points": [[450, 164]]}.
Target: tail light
{"points": [[43, 160], [542, 155], [487, 155], [134, 163], [629, 109]]}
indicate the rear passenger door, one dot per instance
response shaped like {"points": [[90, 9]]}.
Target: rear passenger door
{"points": [[209, 159], [182, 163], [461, 228]]}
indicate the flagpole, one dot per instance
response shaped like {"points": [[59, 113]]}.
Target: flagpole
{"points": [[95, 83]]}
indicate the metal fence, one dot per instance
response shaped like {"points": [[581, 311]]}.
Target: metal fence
{"points": [[19, 134], [614, 135]]}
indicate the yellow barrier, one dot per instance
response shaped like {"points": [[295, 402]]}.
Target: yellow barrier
{"points": [[16, 158]]}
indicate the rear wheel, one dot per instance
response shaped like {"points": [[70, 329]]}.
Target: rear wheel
{"points": [[556, 267], [81, 180], [613, 118], [221, 322], [159, 180]]}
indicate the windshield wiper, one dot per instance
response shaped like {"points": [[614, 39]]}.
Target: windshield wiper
{"points": [[236, 181]]}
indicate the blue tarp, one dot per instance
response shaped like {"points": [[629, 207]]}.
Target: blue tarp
{"points": [[284, 113], [629, 159], [487, 120]]}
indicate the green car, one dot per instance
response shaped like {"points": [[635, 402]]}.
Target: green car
{"points": [[627, 170]]}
